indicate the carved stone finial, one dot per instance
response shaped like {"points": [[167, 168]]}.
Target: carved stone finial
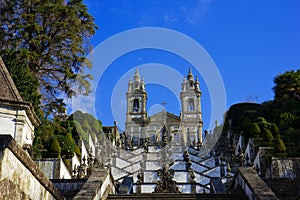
{"points": [[192, 176], [140, 178], [186, 156], [166, 185], [188, 164], [228, 168]]}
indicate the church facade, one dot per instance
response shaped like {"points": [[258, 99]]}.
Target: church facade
{"points": [[164, 126]]}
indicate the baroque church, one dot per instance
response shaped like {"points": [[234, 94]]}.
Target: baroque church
{"points": [[104, 171], [164, 125]]}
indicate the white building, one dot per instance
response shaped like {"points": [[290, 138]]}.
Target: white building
{"points": [[17, 117], [164, 125]]}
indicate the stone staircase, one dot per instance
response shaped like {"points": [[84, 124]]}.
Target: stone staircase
{"points": [[175, 196], [130, 163]]}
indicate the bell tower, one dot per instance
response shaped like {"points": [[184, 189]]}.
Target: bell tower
{"points": [[191, 114], [136, 114]]}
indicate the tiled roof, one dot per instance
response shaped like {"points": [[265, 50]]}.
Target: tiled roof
{"points": [[8, 89], [10, 96]]}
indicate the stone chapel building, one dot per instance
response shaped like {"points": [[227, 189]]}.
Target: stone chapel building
{"points": [[17, 117], [185, 128]]}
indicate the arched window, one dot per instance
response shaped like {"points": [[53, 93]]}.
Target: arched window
{"points": [[191, 106], [136, 105]]}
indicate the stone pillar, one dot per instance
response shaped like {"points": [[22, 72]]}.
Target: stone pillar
{"points": [[138, 187], [192, 181]]}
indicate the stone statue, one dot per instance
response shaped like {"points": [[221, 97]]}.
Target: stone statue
{"points": [[166, 185]]}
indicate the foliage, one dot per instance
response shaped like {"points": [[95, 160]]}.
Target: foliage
{"points": [[285, 108], [280, 148], [43, 135], [287, 86], [267, 135], [279, 118], [238, 112], [50, 39], [262, 123], [246, 123], [67, 163], [274, 129], [24, 80], [80, 132], [85, 124], [66, 130], [260, 120], [55, 147], [67, 145], [77, 151], [56, 130], [254, 130]]}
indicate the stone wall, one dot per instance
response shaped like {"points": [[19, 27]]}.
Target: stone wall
{"points": [[251, 185], [68, 187], [98, 186], [20, 178], [54, 168], [285, 168], [285, 188], [173, 196]]}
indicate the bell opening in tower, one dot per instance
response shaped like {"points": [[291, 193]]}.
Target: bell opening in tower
{"points": [[191, 105], [136, 105]]}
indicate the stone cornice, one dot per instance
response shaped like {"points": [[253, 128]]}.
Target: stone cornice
{"points": [[22, 105]]}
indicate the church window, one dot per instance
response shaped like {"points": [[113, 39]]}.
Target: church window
{"points": [[191, 106], [136, 105]]}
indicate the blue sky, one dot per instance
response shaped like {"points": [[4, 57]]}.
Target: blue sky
{"points": [[250, 41]]}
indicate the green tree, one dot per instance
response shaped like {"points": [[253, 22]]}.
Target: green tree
{"points": [[24, 80], [246, 123], [254, 130], [67, 145], [50, 38], [287, 85]]}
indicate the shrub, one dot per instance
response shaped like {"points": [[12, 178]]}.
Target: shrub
{"points": [[67, 146], [267, 135], [279, 147], [254, 130], [274, 129], [55, 147]]}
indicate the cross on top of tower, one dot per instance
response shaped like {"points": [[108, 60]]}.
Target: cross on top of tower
{"points": [[164, 104]]}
